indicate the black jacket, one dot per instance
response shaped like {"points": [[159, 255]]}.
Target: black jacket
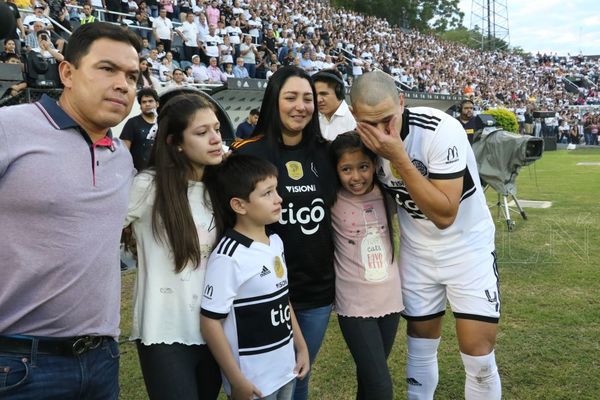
{"points": [[307, 185]]}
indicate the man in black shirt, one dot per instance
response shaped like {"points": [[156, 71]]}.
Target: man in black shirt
{"points": [[139, 132], [466, 118], [270, 42], [246, 128], [12, 33]]}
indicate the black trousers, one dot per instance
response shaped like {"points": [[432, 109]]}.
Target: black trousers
{"points": [[188, 52], [370, 341], [179, 372], [113, 5]]}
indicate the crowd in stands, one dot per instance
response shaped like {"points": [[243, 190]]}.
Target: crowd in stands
{"points": [[218, 39]]}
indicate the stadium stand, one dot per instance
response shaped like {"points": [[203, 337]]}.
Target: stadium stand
{"points": [[428, 69]]}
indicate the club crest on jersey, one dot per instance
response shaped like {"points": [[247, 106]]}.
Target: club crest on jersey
{"points": [[278, 267], [294, 170], [395, 172], [420, 167]]}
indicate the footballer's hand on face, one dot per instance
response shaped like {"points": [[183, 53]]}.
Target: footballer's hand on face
{"points": [[385, 142]]}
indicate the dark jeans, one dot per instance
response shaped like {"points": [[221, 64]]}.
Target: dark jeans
{"points": [[565, 136], [251, 70], [574, 139], [179, 372], [370, 341], [204, 59], [313, 324], [93, 375], [188, 52], [261, 73], [143, 33], [112, 5]]}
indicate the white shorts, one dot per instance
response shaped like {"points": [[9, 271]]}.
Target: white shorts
{"points": [[472, 288]]}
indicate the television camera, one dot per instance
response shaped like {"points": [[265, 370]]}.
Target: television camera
{"points": [[500, 156]]}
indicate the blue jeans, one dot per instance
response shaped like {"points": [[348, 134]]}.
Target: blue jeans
{"points": [[313, 323], [283, 393], [251, 70], [143, 33], [93, 375]]}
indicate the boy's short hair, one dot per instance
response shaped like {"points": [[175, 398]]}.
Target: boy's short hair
{"points": [[11, 57], [147, 92], [237, 176]]}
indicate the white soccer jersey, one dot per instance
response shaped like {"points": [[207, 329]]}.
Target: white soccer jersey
{"points": [[246, 285], [438, 147], [234, 34], [212, 45]]}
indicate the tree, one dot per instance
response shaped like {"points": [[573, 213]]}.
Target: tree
{"points": [[473, 39], [460, 35], [518, 50], [422, 15]]}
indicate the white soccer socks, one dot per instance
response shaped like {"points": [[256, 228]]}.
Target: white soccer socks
{"points": [[482, 378], [422, 368], [482, 381]]}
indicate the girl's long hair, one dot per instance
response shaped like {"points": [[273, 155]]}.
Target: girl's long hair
{"points": [[143, 74], [172, 221]]}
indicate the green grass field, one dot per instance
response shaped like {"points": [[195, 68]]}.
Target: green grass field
{"points": [[549, 335]]}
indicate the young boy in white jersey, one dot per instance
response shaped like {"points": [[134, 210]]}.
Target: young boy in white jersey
{"points": [[247, 319]]}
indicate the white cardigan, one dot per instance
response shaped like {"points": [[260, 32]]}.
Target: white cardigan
{"points": [[166, 305]]}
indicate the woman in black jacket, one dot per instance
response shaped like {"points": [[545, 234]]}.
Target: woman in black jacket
{"points": [[288, 135]]}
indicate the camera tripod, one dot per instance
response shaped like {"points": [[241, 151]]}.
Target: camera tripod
{"points": [[503, 207]]}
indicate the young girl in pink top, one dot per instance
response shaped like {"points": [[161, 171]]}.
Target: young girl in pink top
{"points": [[368, 297]]}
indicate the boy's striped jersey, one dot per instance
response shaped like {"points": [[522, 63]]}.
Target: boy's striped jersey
{"points": [[246, 286]]}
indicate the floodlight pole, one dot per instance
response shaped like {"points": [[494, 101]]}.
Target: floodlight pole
{"points": [[490, 19]]}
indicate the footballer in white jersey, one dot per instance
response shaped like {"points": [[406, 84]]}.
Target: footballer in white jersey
{"points": [[447, 234], [439, 149]]}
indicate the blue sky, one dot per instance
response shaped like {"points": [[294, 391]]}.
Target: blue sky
{"points": [[550, 25]]}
